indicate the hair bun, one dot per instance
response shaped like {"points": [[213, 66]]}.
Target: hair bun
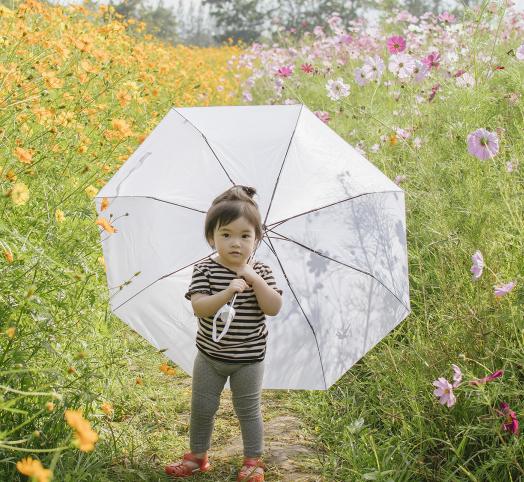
{"points": [[250, 191]]}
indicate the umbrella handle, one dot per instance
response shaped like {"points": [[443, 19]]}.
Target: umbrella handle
{"points": [[230, 312]]}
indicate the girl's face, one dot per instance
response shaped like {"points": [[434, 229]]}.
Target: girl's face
{"points": [[235, 237]]}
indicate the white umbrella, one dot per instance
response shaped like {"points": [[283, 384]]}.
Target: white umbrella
{"points": [[334, 235]]}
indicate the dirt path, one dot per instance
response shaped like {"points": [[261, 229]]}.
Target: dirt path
{"points": [[288, 453]]}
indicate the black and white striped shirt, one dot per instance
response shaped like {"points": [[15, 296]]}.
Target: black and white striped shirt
{"points": [[245, 340]]}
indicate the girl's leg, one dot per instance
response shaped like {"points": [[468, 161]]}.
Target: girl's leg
{"points": [[246, 388], [207, 385]]}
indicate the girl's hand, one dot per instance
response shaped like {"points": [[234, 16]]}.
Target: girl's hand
{"points": [[237, 285], [248, 273]]}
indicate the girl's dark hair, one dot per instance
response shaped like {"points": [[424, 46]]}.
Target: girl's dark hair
{"points": [[232, 204]]}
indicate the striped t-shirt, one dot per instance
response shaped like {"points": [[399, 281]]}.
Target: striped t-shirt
{"points": [[245, 340]]}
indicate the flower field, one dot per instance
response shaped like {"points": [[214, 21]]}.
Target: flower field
{"points": [[435, 102]]}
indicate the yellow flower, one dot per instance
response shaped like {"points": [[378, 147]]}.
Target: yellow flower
{"points": [[59, 215], [102, 261], [91, 191], [11, 176], [10, 332], [104, 204], [34, 468], [107, 408], [85, 436], [105, 224], [50, 406], [19, 193]]}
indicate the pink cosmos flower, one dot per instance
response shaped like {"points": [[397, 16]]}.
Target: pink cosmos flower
{"points": [[400, 178], [361, 77], [373, 67], [432, 60], [420, 71], [307, 68], [396, 44], [510, 424], [434, 90], [322, 115], [483, 144], [337, 89], [489, 378], [285, 71], [403, 133], [402, 65], [446, 17], [511, 165], [345, 38], [457, 375], [520, 53], [478, 265], [444, 392], [404, 16], [501, 290], [318, 31], [335, 21], [465, 80]]}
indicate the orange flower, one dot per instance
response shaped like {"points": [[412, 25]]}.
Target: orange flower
{"points": [[139, 381], [85, 437], [104, 204], [23, 155], [34, 468], [105, 224], [8, 255], [167, 369], [393, 139], [107, 408]]}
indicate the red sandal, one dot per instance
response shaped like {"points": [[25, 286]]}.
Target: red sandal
{"points": [[250, 475], [179, 469]]}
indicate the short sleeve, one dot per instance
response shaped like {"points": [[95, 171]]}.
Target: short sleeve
{"points": [[199, 283], [268, 277]]}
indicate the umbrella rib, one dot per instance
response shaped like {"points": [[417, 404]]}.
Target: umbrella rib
{"points": [[282, 166], [276, 224], [162, 277], [272, 249], [344, 264], [205, 139], [155, 199]]}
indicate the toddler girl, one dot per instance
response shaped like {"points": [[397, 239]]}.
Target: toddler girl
{"points": [[233, 227]]}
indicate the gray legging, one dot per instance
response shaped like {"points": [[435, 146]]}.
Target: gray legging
{"points": [[209, 378]]}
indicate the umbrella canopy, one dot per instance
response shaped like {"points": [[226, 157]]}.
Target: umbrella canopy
{"points": [[334, 235]]}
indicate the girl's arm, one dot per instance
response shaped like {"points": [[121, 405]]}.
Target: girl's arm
{"points": [[207, 305], [268, 299]]}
